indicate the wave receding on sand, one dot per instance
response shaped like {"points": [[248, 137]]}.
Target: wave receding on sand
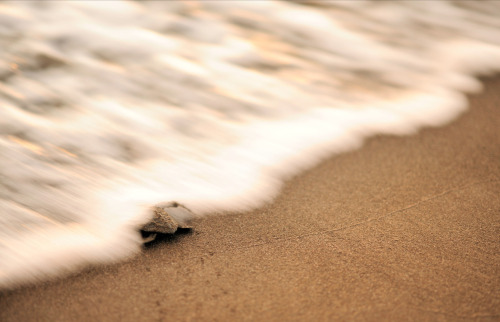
{"points": [[212, 105]]}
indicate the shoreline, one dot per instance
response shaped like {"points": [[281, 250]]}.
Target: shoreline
{"points": [[404, 227]]}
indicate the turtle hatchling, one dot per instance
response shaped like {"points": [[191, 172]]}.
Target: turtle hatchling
{"points": [[166, 219]]}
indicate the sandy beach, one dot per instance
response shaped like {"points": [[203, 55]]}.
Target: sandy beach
{"points": [[405, 228]]}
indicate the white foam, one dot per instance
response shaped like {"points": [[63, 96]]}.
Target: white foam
{"points": [[108, 109]]}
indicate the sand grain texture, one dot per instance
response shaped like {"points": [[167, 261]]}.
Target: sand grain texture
{"points": [[406, 228]]}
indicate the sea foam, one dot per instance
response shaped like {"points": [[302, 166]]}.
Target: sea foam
{"points": [[108, 108]]}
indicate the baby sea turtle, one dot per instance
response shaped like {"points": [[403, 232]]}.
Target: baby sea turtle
{"points": [[167, 218]]}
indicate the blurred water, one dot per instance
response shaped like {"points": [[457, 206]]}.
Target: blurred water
{"points": [[108, 108]]}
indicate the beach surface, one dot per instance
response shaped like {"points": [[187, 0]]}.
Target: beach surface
{"points": [[405, 228]]}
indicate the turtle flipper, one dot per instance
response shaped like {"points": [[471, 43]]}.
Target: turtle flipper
{"points": [[149, 238]]}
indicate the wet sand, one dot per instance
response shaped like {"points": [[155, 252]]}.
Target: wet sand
{"points": [[406, 228]]}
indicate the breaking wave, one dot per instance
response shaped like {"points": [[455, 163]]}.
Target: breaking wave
{"points": [[108, 108]]}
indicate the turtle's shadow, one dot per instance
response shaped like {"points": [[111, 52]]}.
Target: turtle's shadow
{"points": [[167, 238]]}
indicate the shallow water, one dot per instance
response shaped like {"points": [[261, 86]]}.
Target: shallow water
{"points": [[108, 108]]}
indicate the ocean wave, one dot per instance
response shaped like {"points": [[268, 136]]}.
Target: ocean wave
{"points": [[109, 108]]}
